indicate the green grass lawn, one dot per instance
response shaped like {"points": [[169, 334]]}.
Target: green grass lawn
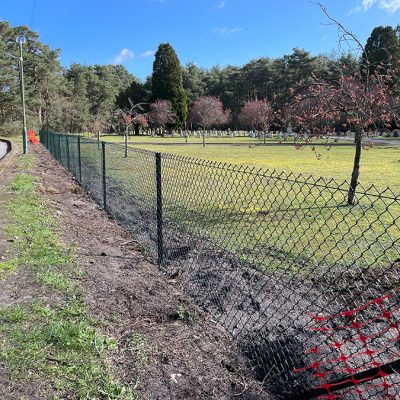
{"points": [[380, 165], [387, 138]]}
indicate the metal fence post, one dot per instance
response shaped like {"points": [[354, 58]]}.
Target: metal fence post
{"points": [[68, 161], [160, 243], [59, 148], [103, 163], [79, 160]]}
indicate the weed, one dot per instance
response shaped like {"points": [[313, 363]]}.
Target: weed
{"points": [[13, 314], [7, 266], [54, 279], [184, 314], [139, 347]]}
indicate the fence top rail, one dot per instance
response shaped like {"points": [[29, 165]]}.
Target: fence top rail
{"points": [[371, 191]]}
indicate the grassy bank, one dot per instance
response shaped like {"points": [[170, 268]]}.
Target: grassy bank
{"points": [[50, 338]]}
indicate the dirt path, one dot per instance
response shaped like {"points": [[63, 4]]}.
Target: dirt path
{"points": [[187, 355]]}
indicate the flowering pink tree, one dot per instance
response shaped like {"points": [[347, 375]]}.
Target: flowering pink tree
{"points": [[360, 104], [140, 121], [127, 119], [208, 112], [256, 114], [307, 113], [135, 117], [161, 113], [363, 102]]}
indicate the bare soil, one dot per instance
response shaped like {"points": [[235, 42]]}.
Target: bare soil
{"points": [[189, 356]]}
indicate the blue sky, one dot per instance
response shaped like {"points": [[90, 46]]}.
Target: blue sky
{"points": [[207, 32]]}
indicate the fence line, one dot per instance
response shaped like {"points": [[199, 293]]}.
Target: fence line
{"points": [[265, 253]]}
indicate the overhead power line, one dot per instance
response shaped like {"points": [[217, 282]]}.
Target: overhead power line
{"points": [[33, 13]]}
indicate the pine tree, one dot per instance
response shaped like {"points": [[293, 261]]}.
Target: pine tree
{"points": [[167, 82], [382, 48]]}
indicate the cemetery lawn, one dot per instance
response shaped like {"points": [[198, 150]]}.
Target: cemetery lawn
{"points": [[292, 217], [177, 139], [380, 166]]}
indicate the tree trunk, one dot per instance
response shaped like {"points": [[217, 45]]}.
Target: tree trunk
{"points": [[40, 116], [126, 141], [356, 168]]}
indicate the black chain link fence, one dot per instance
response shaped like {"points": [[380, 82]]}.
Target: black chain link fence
{"points": [[269, 255]]}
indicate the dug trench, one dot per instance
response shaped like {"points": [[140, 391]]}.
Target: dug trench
{"points": [[188, 354]]}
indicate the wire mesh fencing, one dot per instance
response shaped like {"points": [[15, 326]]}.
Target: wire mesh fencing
{"points": [[306, 283]]}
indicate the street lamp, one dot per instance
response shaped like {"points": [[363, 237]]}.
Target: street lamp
{"points": [[21, 40]]}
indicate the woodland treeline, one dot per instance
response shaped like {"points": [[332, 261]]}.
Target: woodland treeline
{"points": [[95, 98]]}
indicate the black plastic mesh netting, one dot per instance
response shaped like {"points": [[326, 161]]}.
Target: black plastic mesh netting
{"points": [[264, 252]]}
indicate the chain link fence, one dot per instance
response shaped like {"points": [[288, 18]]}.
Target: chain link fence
{"points": [[269, 255]]}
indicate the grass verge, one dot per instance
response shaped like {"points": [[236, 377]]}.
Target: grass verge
{"points": [[52, 340]]}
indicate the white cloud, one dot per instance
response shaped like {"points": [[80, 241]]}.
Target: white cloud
{"points": [[148, 53], [226, 31], [221, 4], [389, 6], [123, 56], [367, 4]]}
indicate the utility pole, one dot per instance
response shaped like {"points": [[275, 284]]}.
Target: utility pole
{"points": [[21, 41]]}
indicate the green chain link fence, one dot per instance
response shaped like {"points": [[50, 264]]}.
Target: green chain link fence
{"points": [[264, 253]]}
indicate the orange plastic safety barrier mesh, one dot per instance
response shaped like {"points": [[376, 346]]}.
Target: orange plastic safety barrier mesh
{"points": [[32, 137], [363, 340]]}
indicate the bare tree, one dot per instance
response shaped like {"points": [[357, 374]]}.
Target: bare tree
{"points": [[362, 102], [134, 116]]}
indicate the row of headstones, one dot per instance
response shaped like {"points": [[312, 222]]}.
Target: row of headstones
{"points": [[198, 134], [251, 134], [226, 133], [218, 133]]}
